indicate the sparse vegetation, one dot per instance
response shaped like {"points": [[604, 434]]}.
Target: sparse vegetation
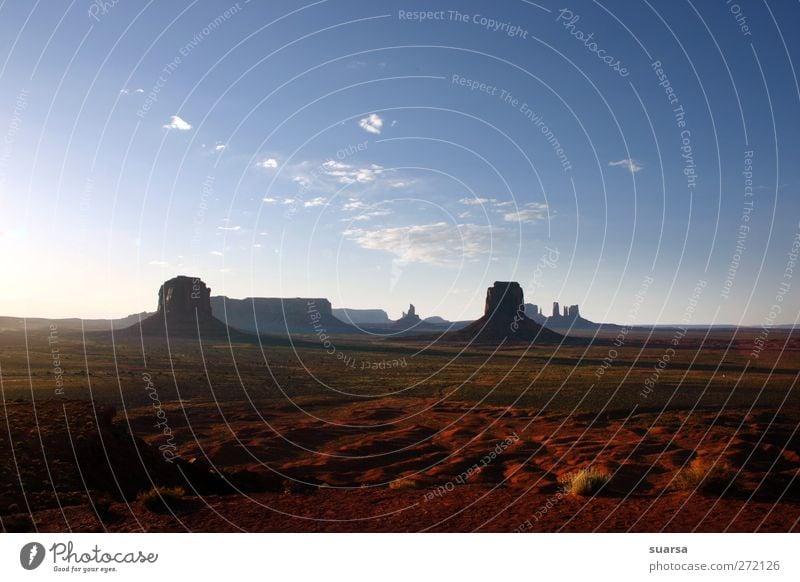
{"points": [[584, 482], [403, 484], [706, 476], [161, 499]]}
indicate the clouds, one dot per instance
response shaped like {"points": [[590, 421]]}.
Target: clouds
{"points": [[318, 201], [268, 163], [477, 201], [438, 244], [176, 122], [372, 123], [530, 212], [368, 215], [348, 174], [628, 163], [526, 213]]}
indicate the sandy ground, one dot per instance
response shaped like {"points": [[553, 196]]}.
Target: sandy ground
{"points": [[400, 464]]}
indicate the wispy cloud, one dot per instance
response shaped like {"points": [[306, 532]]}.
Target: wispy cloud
{"points": [[270, 200], [229, 228], [176, 122], [318, 201], [439, 243], [349, 174], [632, 165], [530, 212], [368, 215], [372, 123], [353, 204], [220, 147], [477, 201]]}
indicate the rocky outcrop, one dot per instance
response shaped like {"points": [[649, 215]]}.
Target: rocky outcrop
{"points": [[362, 316], [504, 319], [184, 310], [312, 315], [408, 320]]}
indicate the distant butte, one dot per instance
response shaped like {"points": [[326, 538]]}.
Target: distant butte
{"points": [[184, 310], [504, 319]]}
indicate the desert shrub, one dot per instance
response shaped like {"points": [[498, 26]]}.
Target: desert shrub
{"points": [[706, 477], [102, 505], [403, 484], [584, 482], [160, 499]]}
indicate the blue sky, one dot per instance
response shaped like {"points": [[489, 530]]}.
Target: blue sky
{"points": [[350, 151]]}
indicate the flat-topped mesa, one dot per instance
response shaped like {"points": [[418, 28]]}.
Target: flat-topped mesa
{"points": [[504, 301], [183, 298], [260, 315]]}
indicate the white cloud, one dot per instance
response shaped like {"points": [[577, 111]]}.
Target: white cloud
{"points": [[269, 163], [231, 228], [628, 163], [270, 200], [139, 91], [372, 123], [440, 243], [353, 204], [477, 201], [220, 147], [318, 201], [288, 201], [369, 215], [217, 253], [348, 174], [176, 122], [531, 212]]}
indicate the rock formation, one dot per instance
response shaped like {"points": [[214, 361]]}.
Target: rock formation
{"points": [[312, 315], [184, 309], [408, 320], [504, 319], [362, 316]]}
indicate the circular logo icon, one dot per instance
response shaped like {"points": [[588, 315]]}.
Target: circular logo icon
{"points": [[31, 555]]}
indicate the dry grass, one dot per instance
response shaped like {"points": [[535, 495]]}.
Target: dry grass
{"points": [[707, 477], [584, 482], [161, 499], [403, 484]]}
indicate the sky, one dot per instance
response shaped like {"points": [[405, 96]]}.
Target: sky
{"points": [[641, 163]]}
